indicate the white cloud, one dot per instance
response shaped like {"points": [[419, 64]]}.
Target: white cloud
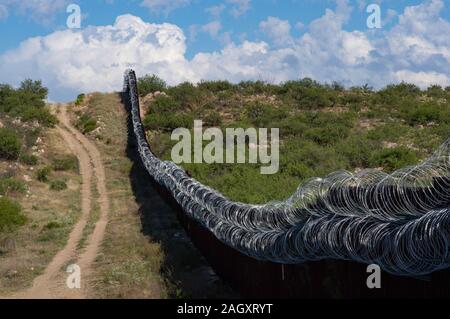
{"points": [[193, 31], [216, 11], [355, 48], [234, 62], [416, 49], [423, 79], [95, 58], [41, 11], [279, 31], [165, 6], [299, 25], [213, 28], [421, 33], [239, 7]]}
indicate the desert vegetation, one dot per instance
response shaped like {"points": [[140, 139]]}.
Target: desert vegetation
{"points": [[323, 128], [129, 265], [26, 102], [145, 252], [34, 164]]}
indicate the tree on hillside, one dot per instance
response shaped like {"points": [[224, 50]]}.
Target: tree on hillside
{"points": [[34, 87]]}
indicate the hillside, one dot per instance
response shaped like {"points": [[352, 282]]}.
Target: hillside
{"points": [[144, 252], [51, 199], [323, 128], [39, 186]]}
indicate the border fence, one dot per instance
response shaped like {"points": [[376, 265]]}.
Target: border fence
{"points": [[319, 241]]}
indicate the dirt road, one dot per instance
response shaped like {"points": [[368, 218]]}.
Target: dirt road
{"points": [[52, 283]]}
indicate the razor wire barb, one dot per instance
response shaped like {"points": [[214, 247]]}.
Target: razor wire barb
{"points": [[400, 221]]}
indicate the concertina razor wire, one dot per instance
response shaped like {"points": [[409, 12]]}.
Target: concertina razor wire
{"points": [[399, 221]]}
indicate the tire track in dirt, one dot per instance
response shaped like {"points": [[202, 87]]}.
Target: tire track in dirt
{"points": [[52, 283], [95, 240]]}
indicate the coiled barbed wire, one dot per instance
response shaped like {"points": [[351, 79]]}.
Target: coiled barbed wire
{"points": [[400, 221]]}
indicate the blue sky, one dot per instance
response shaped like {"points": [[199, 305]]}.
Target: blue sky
{"points": [[273, 40]]}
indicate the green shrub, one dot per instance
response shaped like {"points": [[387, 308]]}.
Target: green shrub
{"points": [[86, 124], [391, 131], [31, 136], [400, 90], [27, 102], [65, 163], [10, 144], [212, 120], [80, 99], [358, 150], [313, 142], [291, 126], [262, 115], [394, 158], [29, 159], [351, 98], [436, 91], [320, 160], [328, 128], [310, 94], [42, 115], [188, 96], [52, 225], [34, 87], [151, 84], [298, 170], [164, 104], [8, 185], [424, 113], [167, 122], [327, 135], [11, 215], [216, 86], [58, 185], [257, 88], [43, 174]]}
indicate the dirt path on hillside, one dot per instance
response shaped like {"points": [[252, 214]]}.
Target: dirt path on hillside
{"points": [[52, 283]]}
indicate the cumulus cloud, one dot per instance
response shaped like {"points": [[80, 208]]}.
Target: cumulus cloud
{"points": [[416, 49], [418, 45], [279, 31], [164, 6], [41, 11], [95, 58], [423, 79], [215, 11], [421, 33], [239, 7], [212, 28]]}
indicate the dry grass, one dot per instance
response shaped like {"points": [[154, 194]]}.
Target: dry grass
{"points": [[51, 216], [129, 264]]}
